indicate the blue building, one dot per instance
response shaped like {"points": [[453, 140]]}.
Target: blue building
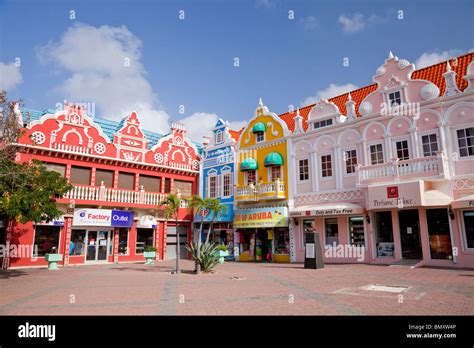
{"points": [[217, 181]]}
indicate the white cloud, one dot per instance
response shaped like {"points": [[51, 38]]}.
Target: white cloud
{"points": [[332, 91], [264, 3], [430, 58], [10, 76], [200, 124], [309, 23], [354, 24], [104, 63], [358, 21]]}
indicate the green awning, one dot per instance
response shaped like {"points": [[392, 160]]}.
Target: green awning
{"points": [[273, 159], [259, 127], [248, 164]]}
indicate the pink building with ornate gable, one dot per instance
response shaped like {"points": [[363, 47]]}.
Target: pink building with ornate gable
{"points": [[385, 173]]}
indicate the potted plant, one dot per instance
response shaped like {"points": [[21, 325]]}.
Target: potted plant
{"points": [[149, 253], [221, 251], [53, 259]]}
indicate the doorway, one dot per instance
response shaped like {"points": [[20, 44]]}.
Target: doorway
{"points": [[409, 222], [97, 246]]}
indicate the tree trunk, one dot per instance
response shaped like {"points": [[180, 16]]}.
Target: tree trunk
{"points": [[198, 251], [210, 228], [178, 254], [8, 237]]}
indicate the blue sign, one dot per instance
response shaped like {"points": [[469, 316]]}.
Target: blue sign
{"points": [[228, 215], [122, 218]]}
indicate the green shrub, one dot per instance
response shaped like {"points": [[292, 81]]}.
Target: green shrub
{"points": [[221, 247], [149, 248], [208, 259]]}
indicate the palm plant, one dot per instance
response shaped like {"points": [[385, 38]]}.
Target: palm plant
{"points": [[215, 208], [200, 205], [206, 257], [171, 206]]}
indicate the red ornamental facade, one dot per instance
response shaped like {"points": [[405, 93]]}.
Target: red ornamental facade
{"points": [[111, 215]]}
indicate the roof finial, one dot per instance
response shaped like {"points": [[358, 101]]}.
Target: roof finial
{"points": [[448, 67], [260, 102], [349, 98], [298, 112], [390, 55]]}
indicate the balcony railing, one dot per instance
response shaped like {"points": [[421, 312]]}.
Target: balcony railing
{"points": [[261, 191], [106, 194], [431, 166]]}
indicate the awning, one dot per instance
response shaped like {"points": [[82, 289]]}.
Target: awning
{"points": [[435, 198], [328, 209], [463, 202], [259, 127], [248, 164], [273, 159]]}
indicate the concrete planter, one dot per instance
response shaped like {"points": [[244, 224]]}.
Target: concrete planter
{"points": [[222, 254], [149, 256], [53, 260]]}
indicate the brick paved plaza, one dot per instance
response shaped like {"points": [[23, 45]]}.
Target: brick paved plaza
{"points": [[236, 288]]}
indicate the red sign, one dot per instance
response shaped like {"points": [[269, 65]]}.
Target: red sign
{"points": [[392, 192]]}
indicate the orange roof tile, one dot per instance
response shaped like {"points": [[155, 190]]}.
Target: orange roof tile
{"points": [[433, 73], [235, 134]]}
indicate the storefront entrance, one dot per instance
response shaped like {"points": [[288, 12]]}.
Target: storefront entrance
{"points": [[97, 245], [409, 222]]}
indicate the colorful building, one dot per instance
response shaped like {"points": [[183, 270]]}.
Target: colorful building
{"points": [[120, 173], [217, 181], [262, 191], [385, 173]]}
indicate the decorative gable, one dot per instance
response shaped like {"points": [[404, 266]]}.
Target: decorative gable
{"points": [[130, 140]]}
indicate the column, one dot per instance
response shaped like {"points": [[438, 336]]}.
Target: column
{"points": [[314, 174], [338, 165], [388, 147], [67, 237], [116, 244], [157, 240], [414, 141]]}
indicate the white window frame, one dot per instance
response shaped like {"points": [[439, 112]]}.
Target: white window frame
{"points": [[209, 176], [269, 173], [247, 177], [422, 153], [256, 138], [224, 174], [349, 230], [33, 256], [338, 231], [343, 151], [218, 137], [410, 147], [309, 169], [395, 89], [333, 176], [466, 158], [313, 124], [369, 157], [428, 132]]}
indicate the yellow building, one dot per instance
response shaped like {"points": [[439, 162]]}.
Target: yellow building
{"points": [[261, 192]]}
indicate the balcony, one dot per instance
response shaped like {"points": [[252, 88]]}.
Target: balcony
{"points": [[104, 194], [260, 192], [432, 166]]}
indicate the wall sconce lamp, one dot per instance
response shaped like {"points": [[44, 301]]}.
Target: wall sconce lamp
{"points": [[451, 214], [367, 218]]}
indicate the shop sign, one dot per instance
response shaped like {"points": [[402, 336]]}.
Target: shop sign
{"points": [[335, 209], [102, 217], [227, 215], [147, 221], [400, 196], [261, 217]]}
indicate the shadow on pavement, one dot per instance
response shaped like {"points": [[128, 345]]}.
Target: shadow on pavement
{"points": [[11, 274]]}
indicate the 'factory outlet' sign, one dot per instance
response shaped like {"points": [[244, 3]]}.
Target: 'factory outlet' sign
{"points": [[102, 217]]}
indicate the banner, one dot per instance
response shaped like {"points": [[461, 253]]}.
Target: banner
{"points": [[261, 217], [103, 218], [228, 215]]}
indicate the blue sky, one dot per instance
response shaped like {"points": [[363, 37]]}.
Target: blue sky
{"points": [[190, 62]]}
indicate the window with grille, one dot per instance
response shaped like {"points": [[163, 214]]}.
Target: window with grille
{"points": [[304, 169], [430, 144], [275, 172], [212, 186], [402, 150], [218, 137], [260, 136], [227, 185], [322, 123], [395, 98], [150, 183], [326, 166], [351, 161], [251, 177], [376, 154], [466, 141]]}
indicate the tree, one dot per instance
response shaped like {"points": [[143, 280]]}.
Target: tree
{"points": [[201, 206], [28, 190], [171, 207], [215, 207]]}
